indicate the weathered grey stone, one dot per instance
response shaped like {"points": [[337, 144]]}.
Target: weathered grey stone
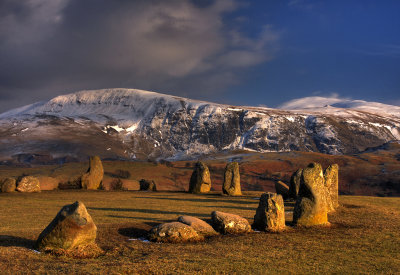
{"points": [[200, 181], [147, 185], [226, 223], [270, 214], [231, 185], [201, 227], [93, 177], [331, 176], [9, 185], [174, 232], [71, 228], [28, 184], [282, 189], [310, 208], [295, 183]]}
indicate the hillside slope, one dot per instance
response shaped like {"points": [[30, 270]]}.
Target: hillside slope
{"points": [[135, 124]]}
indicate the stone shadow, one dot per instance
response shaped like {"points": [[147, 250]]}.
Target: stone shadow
{"points": [[8, 241], [220, 198], [148, 211]]}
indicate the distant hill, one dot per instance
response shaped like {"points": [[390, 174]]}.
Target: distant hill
{"points": [[135, 124]]}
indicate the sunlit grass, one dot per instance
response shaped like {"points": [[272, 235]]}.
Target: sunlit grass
{"points": [[364, 236]]}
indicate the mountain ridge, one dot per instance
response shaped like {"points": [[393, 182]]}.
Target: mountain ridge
{"points": [[137, 124]]}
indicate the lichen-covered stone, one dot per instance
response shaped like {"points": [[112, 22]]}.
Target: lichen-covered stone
{"points": [[200, 181], [331, 176], [282, 189], [174, 232], [270, 214], [201, 227], [231, 185], [295, 184], [93, 177], [9, 185], [28, 184], [71, 228], [310, 208], [226, 223], [147, 185]]}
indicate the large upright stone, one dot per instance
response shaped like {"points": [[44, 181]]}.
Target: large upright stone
{"points": [[282, 189], [270, 214], [310, 208], [295, 184], [231, 185], [9, 185], [331, 176], [200, 181], [71, 228], [28, 184], [147, 185], [93, 177]]}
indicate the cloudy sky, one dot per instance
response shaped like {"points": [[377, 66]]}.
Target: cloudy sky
{"points": [[230, 51]]}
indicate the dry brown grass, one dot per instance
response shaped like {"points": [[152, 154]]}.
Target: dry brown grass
{"points": [[364, 236]]}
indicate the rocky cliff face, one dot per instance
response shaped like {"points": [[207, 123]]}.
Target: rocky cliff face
{"points": [[126, 123]]}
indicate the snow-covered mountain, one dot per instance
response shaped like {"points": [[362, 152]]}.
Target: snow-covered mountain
{"points": [[127, 123], [314, 102]]}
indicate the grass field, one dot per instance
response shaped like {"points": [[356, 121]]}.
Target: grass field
{"points": [[364, 236]]}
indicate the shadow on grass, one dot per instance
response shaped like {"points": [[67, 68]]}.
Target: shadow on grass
{"points": [[219, 198], [216, 207], [8, 241], [135, 218], [134, 232], [149, 211]]}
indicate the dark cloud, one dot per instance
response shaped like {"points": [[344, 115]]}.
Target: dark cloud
{"points": [[48, 47]]}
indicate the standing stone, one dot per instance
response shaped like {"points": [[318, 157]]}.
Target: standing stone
{"points": [[9, 185], [331, 176], [295, 183], [310, 208], [93, 177], [147, 185], [200, 181], [226, 223], [28, 184], [71, 228], [270, 214], [282, 189], [231, 184]]}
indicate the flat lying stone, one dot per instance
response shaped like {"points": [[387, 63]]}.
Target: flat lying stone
{"points": [[48, 183], [28, 184], [174, 232], [9, 185], [227, 223], [201, 227]]}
